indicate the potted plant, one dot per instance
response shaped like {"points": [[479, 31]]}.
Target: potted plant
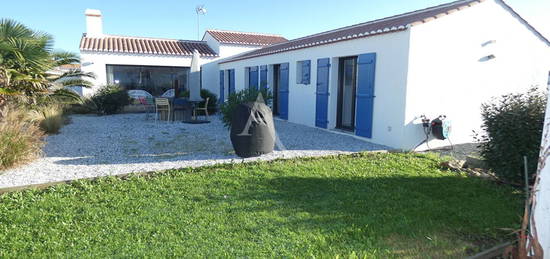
{"points": [[248, 116]]}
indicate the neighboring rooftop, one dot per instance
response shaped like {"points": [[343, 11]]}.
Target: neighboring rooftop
{"points": [[385, 25], [246, 38], [140, 45]]}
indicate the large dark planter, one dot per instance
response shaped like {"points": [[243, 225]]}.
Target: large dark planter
{"points": [[260, 137]]}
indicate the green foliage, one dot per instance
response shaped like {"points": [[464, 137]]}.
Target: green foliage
{"points": [[26, 59], [212, 103], [86, 106], [20, 139], [512, 126], [243, 96], [110, 99], [370, 205]]}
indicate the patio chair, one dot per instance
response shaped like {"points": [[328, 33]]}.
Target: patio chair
{"points": [[205, 109], [162, 105]]}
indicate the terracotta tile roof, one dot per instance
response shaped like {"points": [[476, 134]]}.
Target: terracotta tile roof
{"points": [[125, 44], [385, 25], [70, 66], [246, 38]]}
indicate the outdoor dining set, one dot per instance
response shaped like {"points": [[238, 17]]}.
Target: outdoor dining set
{"points": [[170, 105], [175, 109]]}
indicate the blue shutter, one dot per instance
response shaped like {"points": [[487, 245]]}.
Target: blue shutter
{"points": [[321, 104], [306, 72], [366, 64], [231, 76], [283, 91], [263, 77], [221, 97], [253, 78]]}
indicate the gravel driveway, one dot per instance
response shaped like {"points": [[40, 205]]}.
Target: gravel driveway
{"points": [[118, 144]]}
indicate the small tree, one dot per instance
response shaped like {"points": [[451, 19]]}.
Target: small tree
{"points": [[110, 99], [513, 126], [244, 96]]}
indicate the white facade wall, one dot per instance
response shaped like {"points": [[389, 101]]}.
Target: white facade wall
{"points": [[96, 62], [390, 81], [448, 74], [211, 42], [541, 212], [210, 70]]}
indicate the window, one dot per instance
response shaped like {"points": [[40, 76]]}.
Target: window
{"points": [[303, 69], [154, 79]]}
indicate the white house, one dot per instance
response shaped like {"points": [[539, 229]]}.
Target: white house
{"points": [[373, 79], [155, 64], [376, 79]]}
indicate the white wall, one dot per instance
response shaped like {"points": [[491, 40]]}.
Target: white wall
{"points": [[210, 69], [211, 42], [390, 82], [542, 206], [447, 74], [229, 50], [96, 62]]}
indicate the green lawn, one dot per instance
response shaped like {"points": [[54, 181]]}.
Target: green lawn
{"points": [[369, 205]]}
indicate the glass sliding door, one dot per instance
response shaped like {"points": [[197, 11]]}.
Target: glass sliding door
{"points": [[154, 79], [346, 93]]}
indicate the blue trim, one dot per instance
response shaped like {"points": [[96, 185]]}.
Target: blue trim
{"points": [[222, 90], [322, 93], [366, 70], [263, 77], [283, 91], [253, 78], [231, 81]]}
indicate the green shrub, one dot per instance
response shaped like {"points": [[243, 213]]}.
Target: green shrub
{"points": [[512, 126], [110, 99], [243, 96], [86, 106], [49, 118], [212, 103], [20, 139]]}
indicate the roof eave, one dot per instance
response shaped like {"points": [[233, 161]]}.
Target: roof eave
{"points": [[326, 42]]}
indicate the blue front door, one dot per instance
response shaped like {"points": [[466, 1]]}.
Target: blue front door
{"points": [[283, 91], [366, 64], [222, 90], [263, 77], [231, 81], [321, 104]]}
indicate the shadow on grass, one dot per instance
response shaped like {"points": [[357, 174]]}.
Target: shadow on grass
{"points": [[466, 208]]}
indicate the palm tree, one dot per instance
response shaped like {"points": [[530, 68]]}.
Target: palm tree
{"points": [[26, 57]]}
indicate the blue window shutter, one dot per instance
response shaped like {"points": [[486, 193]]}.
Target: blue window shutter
{"points": [[306, 72], [222, 90], [322, 93], [253, 78], [283, 91], [231, 81], [263, 77], [366, 67]]}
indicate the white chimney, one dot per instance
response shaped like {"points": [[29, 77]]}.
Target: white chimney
{"points": [[94, 23]]}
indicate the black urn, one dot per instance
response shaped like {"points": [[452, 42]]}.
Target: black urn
{"points": [[252, 130]]}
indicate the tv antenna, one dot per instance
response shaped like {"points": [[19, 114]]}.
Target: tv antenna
{"points": [[200, 10]]}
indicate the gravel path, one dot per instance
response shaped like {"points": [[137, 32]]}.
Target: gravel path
{"points": [[118, 144]]}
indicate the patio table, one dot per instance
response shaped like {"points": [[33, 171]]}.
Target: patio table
{"points": [[184, 105]]}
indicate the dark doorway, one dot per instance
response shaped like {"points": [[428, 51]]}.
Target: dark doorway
{"points": [[276, 84], [347, 77]]}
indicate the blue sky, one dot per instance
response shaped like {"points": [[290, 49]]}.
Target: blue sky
{"points": [[64, 19]]}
